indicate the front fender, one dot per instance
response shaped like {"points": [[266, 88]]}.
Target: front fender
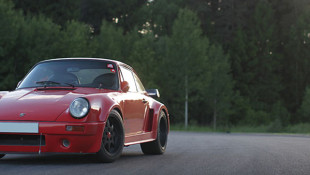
{"points": [[100, 107]]}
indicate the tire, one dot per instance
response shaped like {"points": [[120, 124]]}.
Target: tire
{"points": [[112, 140], [159, 145], [2, 155]]}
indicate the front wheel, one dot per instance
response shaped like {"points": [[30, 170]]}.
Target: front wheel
{"points": [[113, 139], [159, 145], [2, 155]]}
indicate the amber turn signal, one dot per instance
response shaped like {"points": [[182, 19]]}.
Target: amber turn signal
{"points": [[74, 128]]}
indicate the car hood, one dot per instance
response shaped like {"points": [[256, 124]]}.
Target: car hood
{"points": [[35, 105]]}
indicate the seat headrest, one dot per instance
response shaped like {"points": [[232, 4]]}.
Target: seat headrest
{"points": [[107, 80]]}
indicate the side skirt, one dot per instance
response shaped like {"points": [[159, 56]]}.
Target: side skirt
{"points": [[139, 138]]}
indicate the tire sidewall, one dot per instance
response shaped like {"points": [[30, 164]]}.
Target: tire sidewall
{"points": [[103, 154], [164, 117]]}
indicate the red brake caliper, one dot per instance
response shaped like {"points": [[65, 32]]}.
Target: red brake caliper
{"points": [[109, 135]]}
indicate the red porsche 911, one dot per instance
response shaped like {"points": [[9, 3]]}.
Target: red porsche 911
{"points": [[82, 105]]}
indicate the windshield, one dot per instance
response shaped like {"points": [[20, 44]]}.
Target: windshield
{"points": [[74, 73]]}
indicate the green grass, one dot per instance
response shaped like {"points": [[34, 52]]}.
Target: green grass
{"points": [[195, 128], [299, 128], [303, 128]]}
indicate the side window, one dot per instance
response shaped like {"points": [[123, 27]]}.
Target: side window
{"points": [[128, 76], [139, 83]]}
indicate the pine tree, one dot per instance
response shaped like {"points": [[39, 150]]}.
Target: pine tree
{"points": [[219, 92], [184, 61], [255, 63], [58, 11], [10, 23], [142, 58], [159, 16], [297, 51], [111, 43], [76, 40], [303, 114]]}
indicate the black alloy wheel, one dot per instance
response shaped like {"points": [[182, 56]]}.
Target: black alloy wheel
{"points": [[113, 139]]}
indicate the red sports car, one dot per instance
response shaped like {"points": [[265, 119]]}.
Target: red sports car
{"points": [[82, 105]]}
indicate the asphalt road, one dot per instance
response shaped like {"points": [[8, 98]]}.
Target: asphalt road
{"points": [[187, 153]]}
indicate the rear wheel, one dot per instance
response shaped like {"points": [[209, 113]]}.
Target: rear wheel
{"points": [[113, 139], [159, 145], [2, 155]]}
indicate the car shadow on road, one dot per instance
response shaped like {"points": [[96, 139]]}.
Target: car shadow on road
{"points": [[61, 159]]}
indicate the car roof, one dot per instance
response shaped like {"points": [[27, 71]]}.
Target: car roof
{"points": [[82, 58]]}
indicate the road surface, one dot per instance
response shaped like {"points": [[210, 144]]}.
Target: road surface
{"points": [[187, 153]]}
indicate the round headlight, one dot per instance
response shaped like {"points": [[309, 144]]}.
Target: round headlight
{"points": [[79, 108]]}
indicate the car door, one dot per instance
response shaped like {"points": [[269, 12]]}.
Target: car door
{"points": [[135, 105]]}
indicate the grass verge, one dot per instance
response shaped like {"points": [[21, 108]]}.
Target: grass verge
{"points": [[302, 128]]}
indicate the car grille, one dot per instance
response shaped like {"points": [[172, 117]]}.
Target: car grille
{"points": [[25, 140]]}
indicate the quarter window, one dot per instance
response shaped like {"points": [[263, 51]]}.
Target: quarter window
{"points": [[128, 76], [139, 83]]}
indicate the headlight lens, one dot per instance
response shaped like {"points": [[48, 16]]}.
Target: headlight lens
{"points": [[79, 108]]}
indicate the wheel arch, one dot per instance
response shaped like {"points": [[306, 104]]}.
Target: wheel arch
{"points": [[160, 107], [105, 114], [165, 110], [105, 105], [118, 109]]}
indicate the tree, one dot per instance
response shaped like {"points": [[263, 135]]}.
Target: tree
{"points": [[296, 72], [9, 31], [142, 58], [303, 114], [123, 13], [219, 91], [39, 39], [185, 56], [111, 42], [255, 64], [76, 40], [159, 16], [59, 11], [221, 19]]}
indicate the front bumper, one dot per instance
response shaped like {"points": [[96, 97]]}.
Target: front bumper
{"points": [[50, 138]]}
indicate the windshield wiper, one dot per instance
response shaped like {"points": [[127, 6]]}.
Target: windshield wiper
{"points": [[69, 84], [45, 83]]}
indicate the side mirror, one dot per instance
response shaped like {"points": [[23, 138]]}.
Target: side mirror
{"points": [[124, 86], [154, 93]]}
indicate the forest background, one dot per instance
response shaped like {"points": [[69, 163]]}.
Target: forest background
{"points": [[241, 64]]}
